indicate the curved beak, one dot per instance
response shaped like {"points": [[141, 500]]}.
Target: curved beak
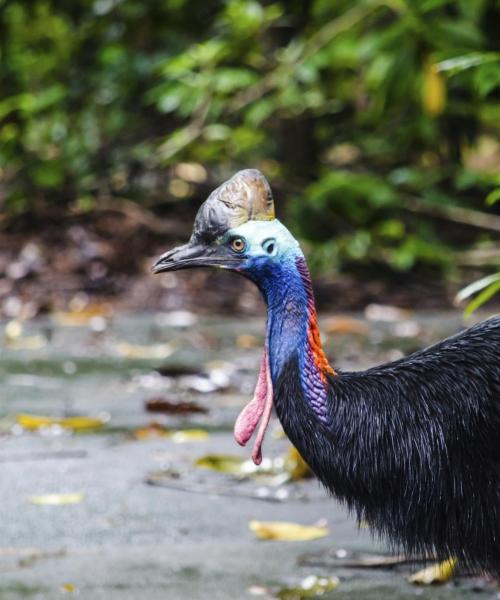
{"points": [[184, 257], [195, 254]]}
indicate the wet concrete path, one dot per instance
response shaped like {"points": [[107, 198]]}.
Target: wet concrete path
{"points": [[124, 538]]}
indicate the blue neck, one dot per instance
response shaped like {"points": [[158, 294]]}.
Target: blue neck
{"points": [[292, 327]]}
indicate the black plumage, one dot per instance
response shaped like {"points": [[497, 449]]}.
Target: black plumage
{"points": [[413, 446]]}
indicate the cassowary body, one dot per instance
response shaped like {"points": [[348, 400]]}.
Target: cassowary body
{"points": [[413, 446]]}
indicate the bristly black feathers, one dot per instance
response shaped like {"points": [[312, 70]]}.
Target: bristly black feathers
{"points": [[414, 446]]}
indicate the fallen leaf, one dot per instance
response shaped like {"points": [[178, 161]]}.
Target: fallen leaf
{"points": [[189, 435], [296, 466], [177, 370], [151, 431], [435, 574], [340, 559], [258, 590], [80, 423], [163, 405], [287, 532], [310, 587], [68, 588], [80, 317], [346, 325], [223, 463], [57, 499], [179, 436], [14, 339], [247, 341], [153, 351], [29, 342]]}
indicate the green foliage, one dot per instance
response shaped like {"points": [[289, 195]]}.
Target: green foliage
{"points": [[482, 290], [368, 116]]}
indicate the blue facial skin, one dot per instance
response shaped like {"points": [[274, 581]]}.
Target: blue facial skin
{"points": [[274, 261]]}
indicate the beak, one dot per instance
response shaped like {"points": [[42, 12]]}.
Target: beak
{"points": [[194, 254], [183, 257]]}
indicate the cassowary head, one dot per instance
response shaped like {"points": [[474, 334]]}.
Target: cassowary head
{"points": [[235, 229]]}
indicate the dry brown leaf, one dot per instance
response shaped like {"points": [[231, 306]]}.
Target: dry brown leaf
{"points": [[247, 341], [172, 407], [346, 325], [150, 432]]}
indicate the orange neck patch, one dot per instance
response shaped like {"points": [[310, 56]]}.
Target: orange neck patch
{"points": [[314, 339]]}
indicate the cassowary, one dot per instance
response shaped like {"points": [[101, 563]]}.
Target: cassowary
{"points": [[412, 446]]}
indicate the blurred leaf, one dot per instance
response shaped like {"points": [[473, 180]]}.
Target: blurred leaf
{"points": [[153, 351], [476, 287], [82, 316], [34, 422], [287, 532], [57, 499], [163, 405], [310, 587], [433, 90], [150, 432], [296, 466], [223, 463], [482, 298], [493, 197], [435, 574], [189, 435]]}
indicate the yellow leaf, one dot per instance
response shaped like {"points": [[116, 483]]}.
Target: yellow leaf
{"points": [[14, 338], [68, 588], [224, 463], [57, 499], [80, 317], [155, 351], [310, 587], [435, 574], [433, 90], [33, 422], [29, 342], [189, 435], [287, 532], [181, 436], [296, 466]]}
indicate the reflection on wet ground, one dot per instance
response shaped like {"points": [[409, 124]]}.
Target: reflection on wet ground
{"points": [[120, 476]]}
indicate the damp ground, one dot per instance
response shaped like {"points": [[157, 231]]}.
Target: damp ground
{"points": [[122, 511]]}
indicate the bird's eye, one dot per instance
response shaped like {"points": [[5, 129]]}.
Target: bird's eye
{"points": [[269, 246], [238, 245]]}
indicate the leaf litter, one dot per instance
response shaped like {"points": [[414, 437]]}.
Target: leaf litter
{"points": [[287, 532]]}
